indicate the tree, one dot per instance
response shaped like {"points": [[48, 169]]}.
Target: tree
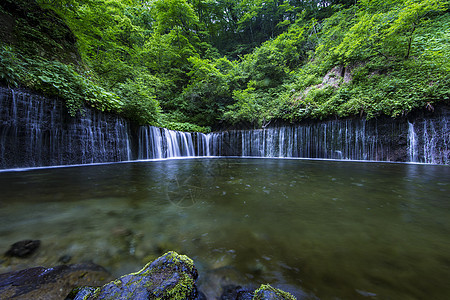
{"points": [[410, 16], [385, 29]]}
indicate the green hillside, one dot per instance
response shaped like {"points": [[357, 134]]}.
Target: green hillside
{"points": [[192, 65]]}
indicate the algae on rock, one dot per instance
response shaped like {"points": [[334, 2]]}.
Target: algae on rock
{"points": [[172, 276], [267, 292]]}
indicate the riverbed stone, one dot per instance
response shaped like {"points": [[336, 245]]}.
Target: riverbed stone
{"points": [[232, 292], [224, 283], [264, 292], [172, 276], [50, 283], [23, 249]]}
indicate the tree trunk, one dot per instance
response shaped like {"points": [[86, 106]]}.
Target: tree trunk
{"points": [[408, 51]]}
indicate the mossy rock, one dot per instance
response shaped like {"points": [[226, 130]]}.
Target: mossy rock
{"points": [[172, 276], [266, 292]]}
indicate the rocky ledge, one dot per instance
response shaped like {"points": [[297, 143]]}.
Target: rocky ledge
{"points": [[172, 276], [50, 283]]}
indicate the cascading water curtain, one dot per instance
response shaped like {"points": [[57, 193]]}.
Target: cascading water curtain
{"points": [[348, 139], [428, 141], [36, 131], [155, 142]]}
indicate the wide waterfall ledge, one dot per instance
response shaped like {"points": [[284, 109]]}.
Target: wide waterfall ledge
{"points": [[36, 131]]}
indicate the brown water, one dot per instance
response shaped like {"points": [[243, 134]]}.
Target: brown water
{"points": [[325, 229]]}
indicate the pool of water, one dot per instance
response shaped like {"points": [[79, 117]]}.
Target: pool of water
{"points": [[325, 229]]}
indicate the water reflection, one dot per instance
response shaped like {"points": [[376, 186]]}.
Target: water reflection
{"points": [[324, 228]]}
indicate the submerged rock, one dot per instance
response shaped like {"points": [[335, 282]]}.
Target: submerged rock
{"points": [[50, 283], [172, 276], [23, 248], [222, 283], [236, 293]]}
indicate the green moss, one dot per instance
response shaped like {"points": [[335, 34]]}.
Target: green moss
{"points": [[177, 258], [172, 276], [181, 290], [82, 293], [183, 268], [279, 294]]}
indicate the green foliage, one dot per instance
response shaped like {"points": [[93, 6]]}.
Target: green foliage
{"points": [[139, 100], [10, 66], [185, 127], [251, 106], [403, 45], [208, 93], [175, 15], [375, 29], [57, 79], [48, 77], [190, 64]]}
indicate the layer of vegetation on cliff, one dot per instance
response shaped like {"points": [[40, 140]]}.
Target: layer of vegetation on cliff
{"points": [[191, 64]]}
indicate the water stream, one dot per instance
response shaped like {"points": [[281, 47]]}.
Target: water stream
{"points": [[326, 229]]}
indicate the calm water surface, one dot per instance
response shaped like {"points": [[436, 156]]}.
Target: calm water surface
{"points": [[325, 229]]}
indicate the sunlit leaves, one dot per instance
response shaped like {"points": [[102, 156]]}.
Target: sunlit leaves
{"points": [[166, 52], [174, 15]]}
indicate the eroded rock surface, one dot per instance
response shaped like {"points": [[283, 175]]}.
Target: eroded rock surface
{"points": [[50, 283]]}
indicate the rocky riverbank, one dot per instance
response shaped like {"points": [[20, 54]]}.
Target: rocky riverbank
{"points": [[171, 276]]}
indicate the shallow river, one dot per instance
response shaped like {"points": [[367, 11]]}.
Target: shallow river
{"points": [[325, 229]]}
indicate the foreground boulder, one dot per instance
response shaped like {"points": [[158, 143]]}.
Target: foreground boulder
{"points": [[50, 283], [172, 276]]}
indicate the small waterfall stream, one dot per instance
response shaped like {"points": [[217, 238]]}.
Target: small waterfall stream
{"points": [[155, 142], [428, 141], [35, 131]]}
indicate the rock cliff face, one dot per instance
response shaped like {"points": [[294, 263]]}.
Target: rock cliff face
{"points": [[35, 131]]}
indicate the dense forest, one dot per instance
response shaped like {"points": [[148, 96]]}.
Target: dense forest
{"points": [[193, 65]]}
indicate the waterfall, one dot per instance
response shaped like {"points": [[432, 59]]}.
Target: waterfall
{"points": [[202, 144], [351, 139], [346, 139], [150, 142], [412, 143], [428, 141], [155, 142], [36, 131]]}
